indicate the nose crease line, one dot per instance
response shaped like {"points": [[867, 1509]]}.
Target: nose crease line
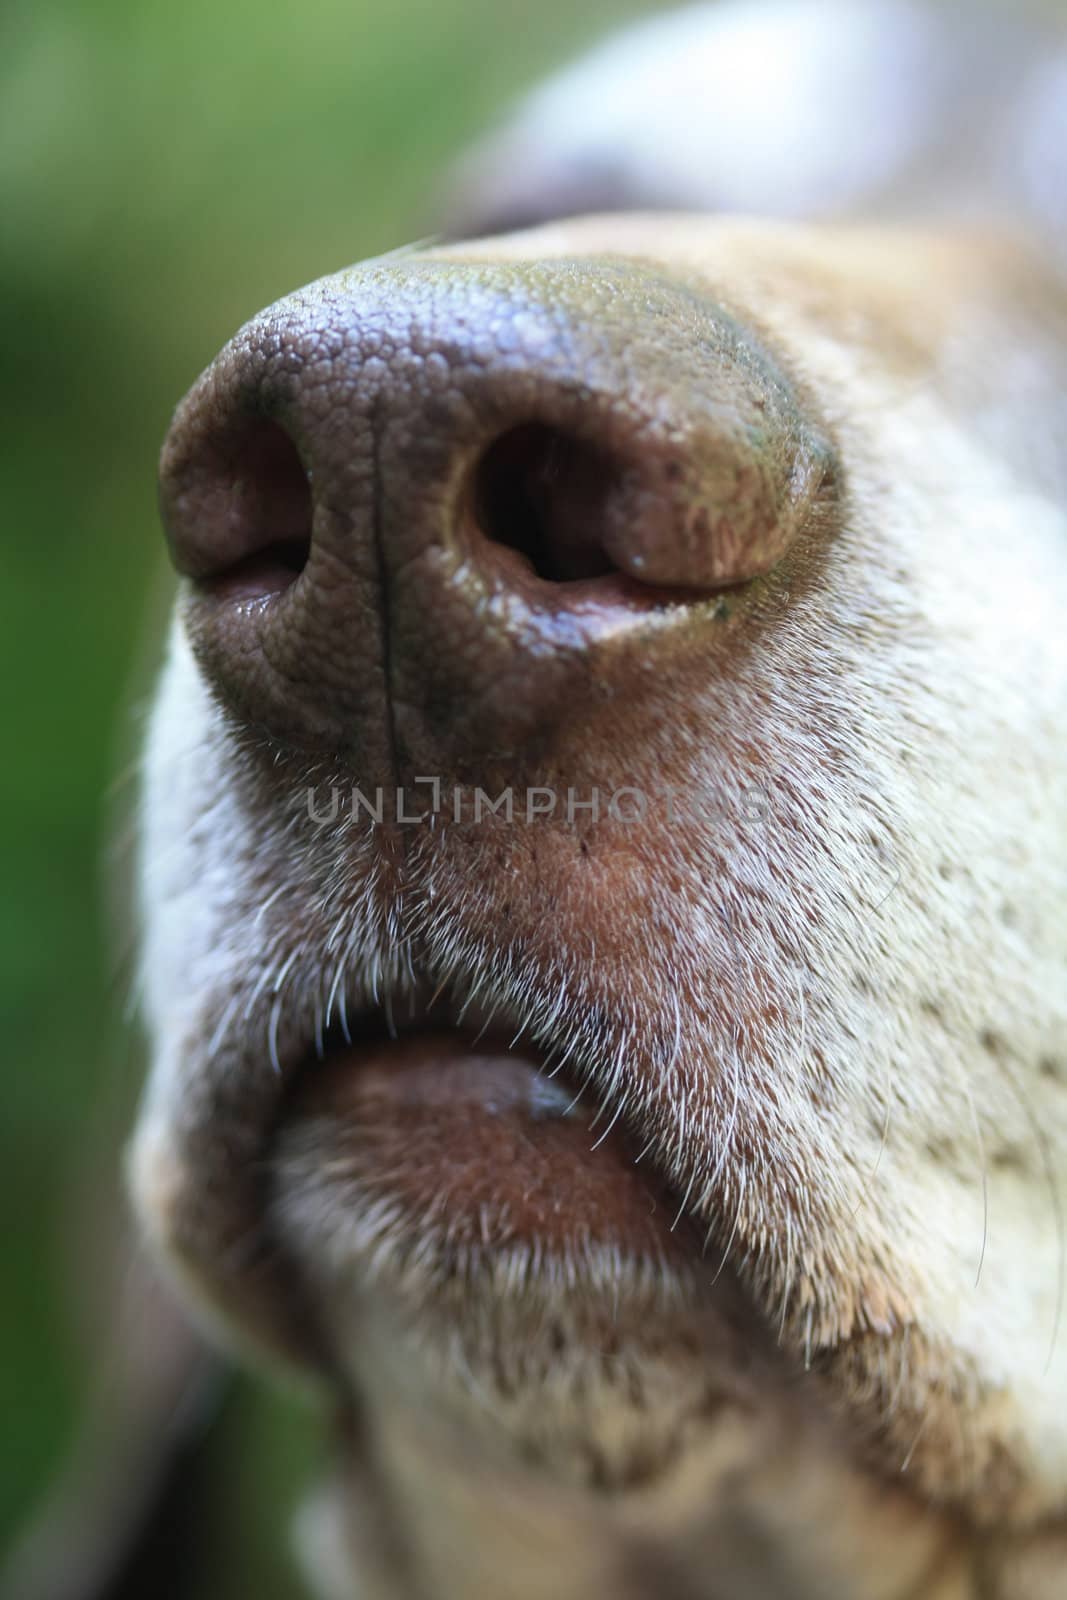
{"points": [[400, 844]]}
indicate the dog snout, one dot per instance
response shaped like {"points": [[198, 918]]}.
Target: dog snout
{"points": [[424, 506]]}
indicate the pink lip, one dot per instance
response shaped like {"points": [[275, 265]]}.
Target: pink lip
{"points": [[477, 1138]]}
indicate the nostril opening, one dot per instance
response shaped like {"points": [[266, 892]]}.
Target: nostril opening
{"points": [[545, 493], [260, 504]]}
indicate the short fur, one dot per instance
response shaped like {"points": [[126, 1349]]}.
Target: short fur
{"points": [[838, 1025]]}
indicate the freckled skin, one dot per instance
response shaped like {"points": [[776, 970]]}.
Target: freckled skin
{"points": [[791, 1006]]}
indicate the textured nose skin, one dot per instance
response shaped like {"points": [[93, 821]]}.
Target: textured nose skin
{"points": [[427, 505]]}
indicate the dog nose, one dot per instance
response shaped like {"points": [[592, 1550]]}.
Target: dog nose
{"points": [[428, 506]]}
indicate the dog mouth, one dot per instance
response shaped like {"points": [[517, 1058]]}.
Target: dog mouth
{"points": [[449, 1132], [467, 1176], [413, 1134], [467, 1217]]}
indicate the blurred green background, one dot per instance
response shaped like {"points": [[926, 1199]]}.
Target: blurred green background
{"points": [[165, 170]]}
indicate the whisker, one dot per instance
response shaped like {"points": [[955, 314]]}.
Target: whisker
{"points": [[607, 1130], [272, 1035], [685, 1201], [223, 1024], [733, 1230]]}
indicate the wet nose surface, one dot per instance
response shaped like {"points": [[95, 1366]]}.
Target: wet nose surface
{"points": [[425, 503]]}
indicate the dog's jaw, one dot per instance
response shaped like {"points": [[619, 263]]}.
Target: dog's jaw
{"points": [[839, 1026]]}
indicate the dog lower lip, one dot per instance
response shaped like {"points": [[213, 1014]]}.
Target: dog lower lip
{"points": [[473, 1141]]}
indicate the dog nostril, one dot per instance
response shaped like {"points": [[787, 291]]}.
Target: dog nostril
{"points": [[269, 511], [238, 508], [545, 493]]}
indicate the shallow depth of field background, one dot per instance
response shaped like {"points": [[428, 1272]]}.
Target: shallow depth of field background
{"points": [[167, 167], [165, 170]]}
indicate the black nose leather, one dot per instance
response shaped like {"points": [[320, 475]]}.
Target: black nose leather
{"points": [[426, 506]]}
